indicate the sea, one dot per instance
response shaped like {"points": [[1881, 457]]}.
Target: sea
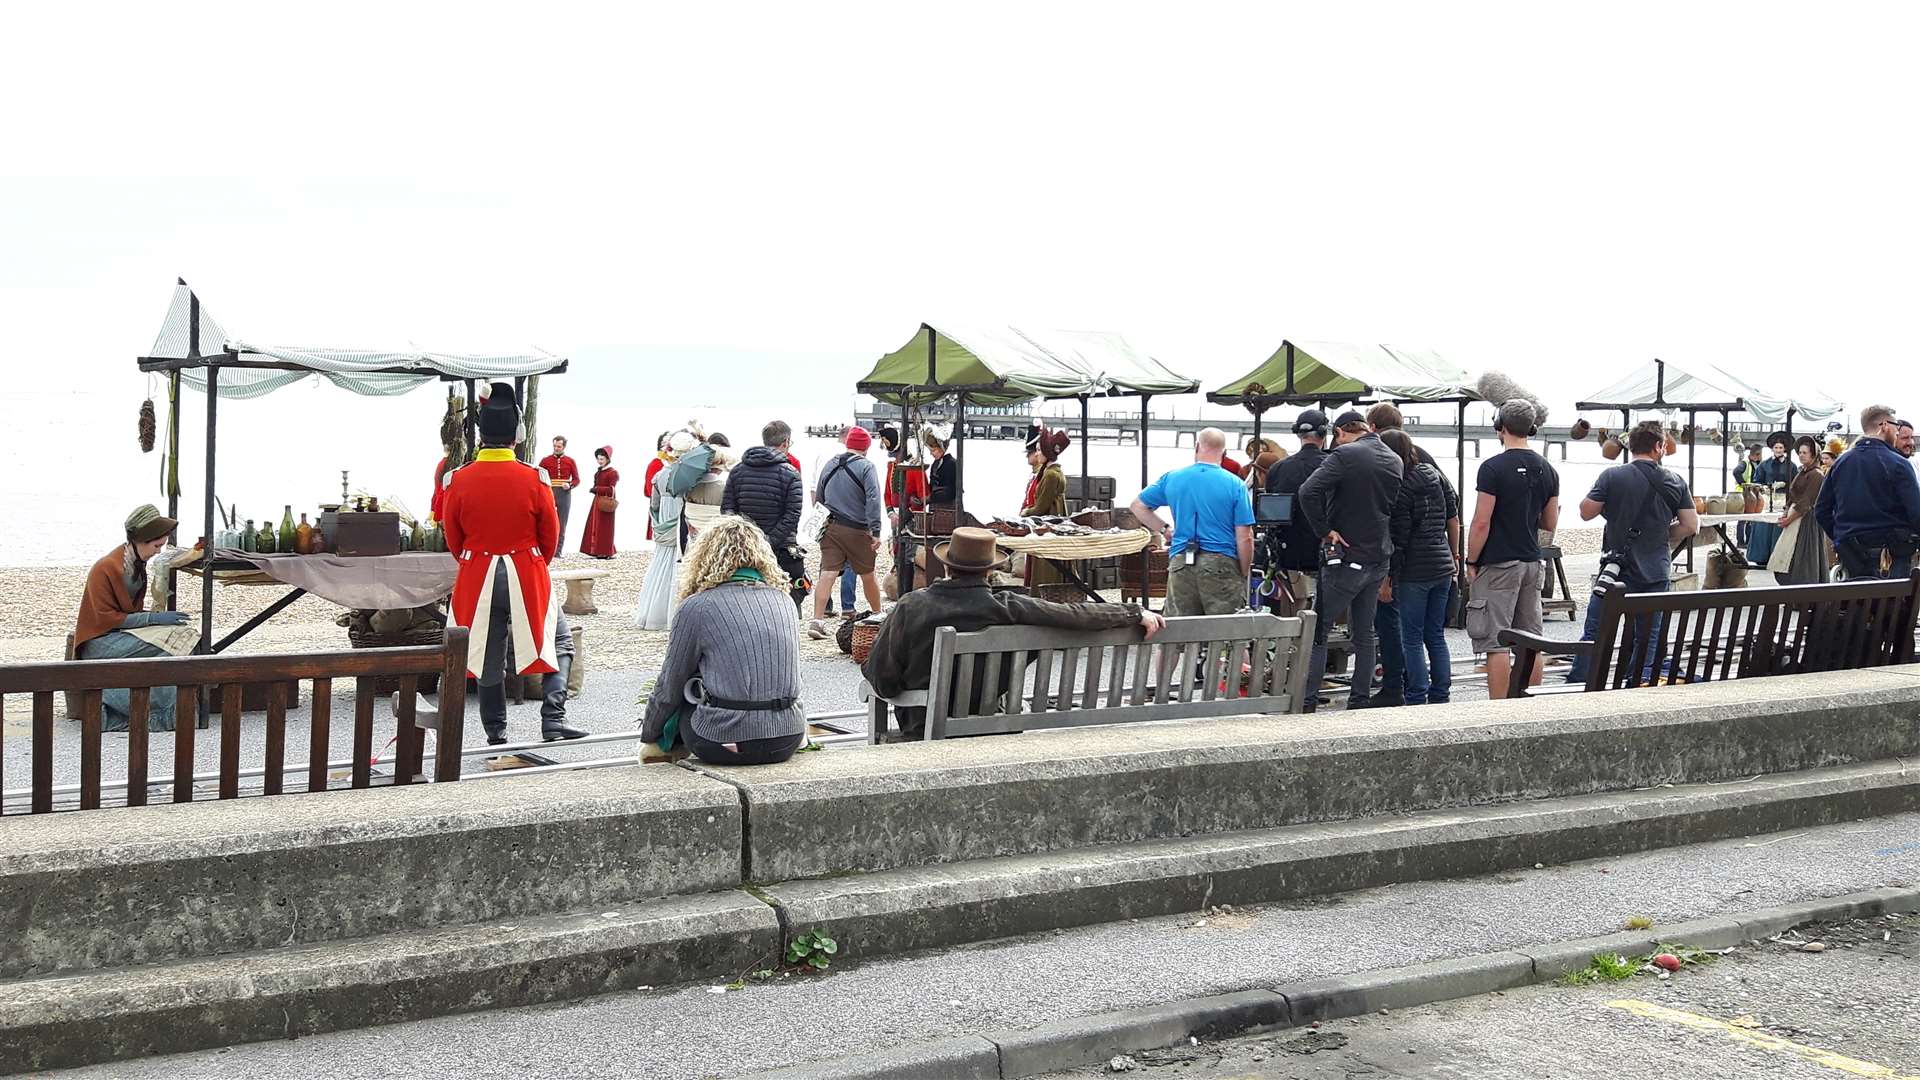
{"points": [[73, 468]]}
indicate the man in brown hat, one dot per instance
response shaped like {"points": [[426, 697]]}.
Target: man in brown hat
{"points": [[902, 657]]}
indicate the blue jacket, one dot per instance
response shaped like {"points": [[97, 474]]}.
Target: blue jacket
{"points": [[1871, 488]]}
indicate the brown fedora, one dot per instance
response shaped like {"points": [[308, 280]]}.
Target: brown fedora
{"points": [[972, 551]]}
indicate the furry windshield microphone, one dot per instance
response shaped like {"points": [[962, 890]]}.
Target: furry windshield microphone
{"points": [[1498, 389]]}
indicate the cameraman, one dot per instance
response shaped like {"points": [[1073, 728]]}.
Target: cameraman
{"points": [[1295, 548], [1648, 511]]}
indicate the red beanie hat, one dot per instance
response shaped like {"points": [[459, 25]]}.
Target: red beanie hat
{"points": [[859, 439]]}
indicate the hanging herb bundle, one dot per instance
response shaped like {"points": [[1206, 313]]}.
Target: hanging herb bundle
{"points": [[149, 426]]}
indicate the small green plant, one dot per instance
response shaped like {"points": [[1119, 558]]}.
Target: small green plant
{"points": [[812, 949], [1639, 922], [1604, 967]]}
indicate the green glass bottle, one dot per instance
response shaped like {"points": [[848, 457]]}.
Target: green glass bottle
{"points": [[284, 542], [263, 540], [250, 539]]}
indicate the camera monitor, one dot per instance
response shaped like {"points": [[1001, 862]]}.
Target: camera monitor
{"points": [[1272, 509]]}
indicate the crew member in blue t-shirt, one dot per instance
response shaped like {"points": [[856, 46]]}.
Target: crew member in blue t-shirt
{"points": [[1211, 554]]}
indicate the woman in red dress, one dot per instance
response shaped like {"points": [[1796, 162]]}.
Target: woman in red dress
{"points": [[653, 469], [598, 539]]}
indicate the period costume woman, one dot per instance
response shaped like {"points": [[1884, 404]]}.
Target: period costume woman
{"points": [[730, 690], [597, 541], [115, 625], [1046, 494], [1800, 556], [653, 469], [1779, 469], [943, 474], [687, 462]]}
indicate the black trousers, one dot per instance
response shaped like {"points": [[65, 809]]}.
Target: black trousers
{"points": [[1861, 556], [751, 752]]}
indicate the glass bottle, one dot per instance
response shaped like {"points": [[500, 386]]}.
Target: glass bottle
{"points": [[249, 538], [284, 542], [264, 542], [417, 539], [303, 537]]}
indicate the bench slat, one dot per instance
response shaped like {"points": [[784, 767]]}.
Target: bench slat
{"points": [[186, 723], [139, 706], [211, 670], [276, 750], [320, 738], [1017, 684], [1117, 674], [230, 740], [1210, 660], [42, 752], [406, 734], [995, 725], [963, 688], [90, 749], [1090, 693], [1069, 666], [1142, 666], [991, 681], [362, 732], [1042, 680]]}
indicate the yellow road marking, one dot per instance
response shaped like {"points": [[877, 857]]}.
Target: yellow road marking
{"points": [[1831, 1060]]}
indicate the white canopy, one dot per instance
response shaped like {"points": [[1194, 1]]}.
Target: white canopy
{"points": [[1710, 384], [376, 372]]}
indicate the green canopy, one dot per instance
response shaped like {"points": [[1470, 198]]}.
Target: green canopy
{"points": [[1003, 365], [1336, 371]]}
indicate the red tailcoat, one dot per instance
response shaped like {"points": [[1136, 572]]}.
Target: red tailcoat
{"points": [[499, 510]]}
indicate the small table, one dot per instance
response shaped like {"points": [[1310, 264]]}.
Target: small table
{"points": [[1061, 551], [579, 589], [408, 579]]}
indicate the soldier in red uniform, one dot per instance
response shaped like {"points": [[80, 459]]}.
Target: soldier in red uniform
{"points": [[563, 475], [502, 528]]}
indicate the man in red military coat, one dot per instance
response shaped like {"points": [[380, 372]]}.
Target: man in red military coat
{"points": [[563, 474], [502, 528]]}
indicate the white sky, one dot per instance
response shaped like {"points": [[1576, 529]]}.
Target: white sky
{"points": [[1561, 192]]}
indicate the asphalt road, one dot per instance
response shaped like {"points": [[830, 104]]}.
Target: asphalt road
{"points": [[1767, 1012]]}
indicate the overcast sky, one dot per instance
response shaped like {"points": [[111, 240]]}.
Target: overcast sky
{"points": [[1562, 192]]}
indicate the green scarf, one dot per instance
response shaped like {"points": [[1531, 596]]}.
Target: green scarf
{"points": [[670, 731]]}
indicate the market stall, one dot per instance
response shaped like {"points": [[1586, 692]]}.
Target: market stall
{"points": [[1329, 373], [196, 353], [1663, 387], [1004, 365]]}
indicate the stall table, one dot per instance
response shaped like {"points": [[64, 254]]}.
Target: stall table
{"points": [[409, 579], [1063, 551]]}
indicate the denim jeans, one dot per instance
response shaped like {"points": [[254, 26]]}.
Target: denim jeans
{"points": [[1423, 626], [1355, 593], [1643, 626], [1393, 651], [115, 710], [847, 580], [1860, 556]]}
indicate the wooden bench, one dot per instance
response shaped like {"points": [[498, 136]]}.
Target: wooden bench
{"points": [[87, 679], [579, 583], [1720, 634], [1206, 665]]}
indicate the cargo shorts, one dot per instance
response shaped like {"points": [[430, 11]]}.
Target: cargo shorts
{"points": [[1505, 596], [1213, 585]]}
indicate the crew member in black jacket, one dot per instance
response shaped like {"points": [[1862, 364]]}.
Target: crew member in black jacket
{"points": [[1295, 548], [1349, 501], [765, 489]]}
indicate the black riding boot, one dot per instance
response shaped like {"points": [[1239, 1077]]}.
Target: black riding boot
{"points": [[553, 706], [493, 712]]}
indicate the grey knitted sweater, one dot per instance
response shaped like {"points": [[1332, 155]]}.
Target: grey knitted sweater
{"points": [[739, 640]]}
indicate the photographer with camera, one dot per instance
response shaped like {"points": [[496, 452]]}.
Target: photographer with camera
{"points": [[1870, 502], [1648, 510]]}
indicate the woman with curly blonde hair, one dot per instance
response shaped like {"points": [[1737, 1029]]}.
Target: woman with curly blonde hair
{"points": [[730, 691]]}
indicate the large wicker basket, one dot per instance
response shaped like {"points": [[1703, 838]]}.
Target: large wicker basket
{"points": [[423, 635], [864, 633]]}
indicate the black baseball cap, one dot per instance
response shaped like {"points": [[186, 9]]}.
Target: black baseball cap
{"points": [[1351, 416], [1310, 420]]}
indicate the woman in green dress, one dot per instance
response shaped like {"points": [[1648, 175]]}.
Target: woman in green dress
{"points": [[1046, 495]]}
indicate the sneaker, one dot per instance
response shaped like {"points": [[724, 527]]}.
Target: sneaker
{"points": [[1388, 700], [817, 630]]}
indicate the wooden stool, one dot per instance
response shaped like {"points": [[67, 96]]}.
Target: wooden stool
{"points": [[579, 599], [1548, 605]]}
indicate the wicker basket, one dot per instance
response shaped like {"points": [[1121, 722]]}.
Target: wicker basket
{"points": [[864, 633], [423, 635]]}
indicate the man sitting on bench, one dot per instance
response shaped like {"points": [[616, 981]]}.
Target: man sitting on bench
{"points": [[902, 656]]}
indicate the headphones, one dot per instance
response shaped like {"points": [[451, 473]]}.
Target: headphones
{"points": [[1532, 429]]}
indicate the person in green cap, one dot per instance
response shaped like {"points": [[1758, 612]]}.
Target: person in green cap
{"points": [[114, 625]]}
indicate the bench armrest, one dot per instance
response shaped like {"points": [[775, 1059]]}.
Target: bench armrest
{"points": [[1520, 639]]}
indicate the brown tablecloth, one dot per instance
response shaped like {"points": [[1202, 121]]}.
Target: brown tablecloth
{"points": [[373, 582]]}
